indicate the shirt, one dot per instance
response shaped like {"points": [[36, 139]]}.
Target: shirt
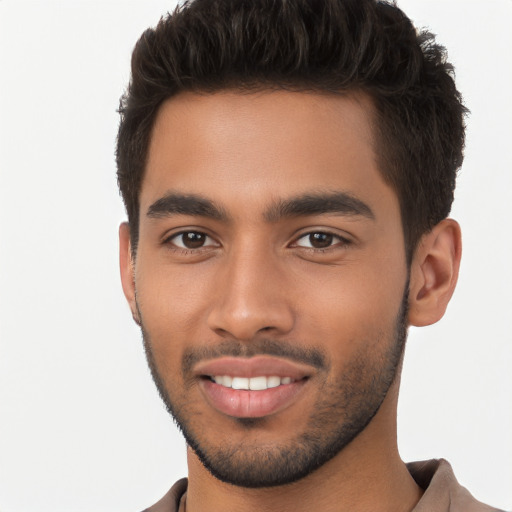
{"points": [[442, 491]]}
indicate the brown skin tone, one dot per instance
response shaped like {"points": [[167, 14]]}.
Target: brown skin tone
{"points": [[245, 152]]}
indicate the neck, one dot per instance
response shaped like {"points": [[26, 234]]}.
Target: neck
{"points": [[367, 475]]}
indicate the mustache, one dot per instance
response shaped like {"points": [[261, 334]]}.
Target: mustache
{"points": [[261, 347]]}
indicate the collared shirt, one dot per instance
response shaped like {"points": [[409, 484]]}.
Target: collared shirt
{"points": [[442, 491]]}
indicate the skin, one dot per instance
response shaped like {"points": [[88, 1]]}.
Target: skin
{"points": [[258, 278]]}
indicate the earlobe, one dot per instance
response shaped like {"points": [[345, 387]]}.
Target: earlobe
{"points": [[127, 269], [434, 273]]}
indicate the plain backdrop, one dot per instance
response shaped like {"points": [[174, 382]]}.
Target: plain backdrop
{"points": [[81, 427]]}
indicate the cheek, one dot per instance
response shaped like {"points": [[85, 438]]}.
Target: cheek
{"points": [[350, 306], [173, 304]]}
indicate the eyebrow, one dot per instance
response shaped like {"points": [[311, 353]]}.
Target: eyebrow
{"points": [[300, 206], [185, 204], [319, 204]]}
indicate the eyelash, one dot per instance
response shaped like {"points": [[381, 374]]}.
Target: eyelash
{"points": [[339, 240], [171, 240]]}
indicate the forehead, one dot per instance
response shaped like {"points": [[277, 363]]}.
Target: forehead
{"points": [[248, 149]]}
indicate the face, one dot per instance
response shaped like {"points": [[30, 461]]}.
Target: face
{"points": [[270, 279]]}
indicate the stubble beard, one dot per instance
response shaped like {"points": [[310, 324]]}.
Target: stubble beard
{"points": [[347, 406]]}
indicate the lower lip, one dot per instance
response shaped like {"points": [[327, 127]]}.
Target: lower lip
{"points": [[251, 404]]}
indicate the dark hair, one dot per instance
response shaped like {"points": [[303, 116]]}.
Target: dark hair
{"points": [[333, 46]]}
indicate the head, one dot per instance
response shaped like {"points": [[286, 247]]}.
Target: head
{"points": [[333, 47], [287, 168]]}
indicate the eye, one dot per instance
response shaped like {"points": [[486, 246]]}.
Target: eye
{"points": [[191, 240], [320, 240]]}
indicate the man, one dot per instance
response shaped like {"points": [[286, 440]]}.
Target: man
{"points": [[288, 168]]}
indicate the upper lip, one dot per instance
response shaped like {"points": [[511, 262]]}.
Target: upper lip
{"points": [[252, 367]]}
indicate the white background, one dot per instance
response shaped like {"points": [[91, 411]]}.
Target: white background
{"points": [[81, 427]]}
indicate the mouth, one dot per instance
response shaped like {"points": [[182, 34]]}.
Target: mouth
{"points": [[252, 387]]}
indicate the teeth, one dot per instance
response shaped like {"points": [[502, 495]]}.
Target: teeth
{"points": [[240, 383], [224, 380], [253, 383], [273, 382], [258, 383]]}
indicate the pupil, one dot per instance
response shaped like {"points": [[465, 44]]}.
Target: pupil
{"points": [[320, 240], [193, 240]]}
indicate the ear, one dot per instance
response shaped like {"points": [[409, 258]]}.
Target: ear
{"points": [[127, 266], [434, 273]]}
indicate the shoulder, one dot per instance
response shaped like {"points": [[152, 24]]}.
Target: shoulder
{"points": [[442, 491], [171, 501]]}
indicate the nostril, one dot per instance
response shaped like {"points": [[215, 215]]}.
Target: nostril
{"points": [[245, 319]]}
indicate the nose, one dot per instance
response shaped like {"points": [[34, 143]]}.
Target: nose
{"points": [[251, 297]]}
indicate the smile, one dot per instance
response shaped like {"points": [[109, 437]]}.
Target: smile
{"points": [[253, 383], [253, 387]]}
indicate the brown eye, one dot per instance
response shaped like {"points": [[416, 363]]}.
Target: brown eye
{"points": [[191, 240], [320, 240]]}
